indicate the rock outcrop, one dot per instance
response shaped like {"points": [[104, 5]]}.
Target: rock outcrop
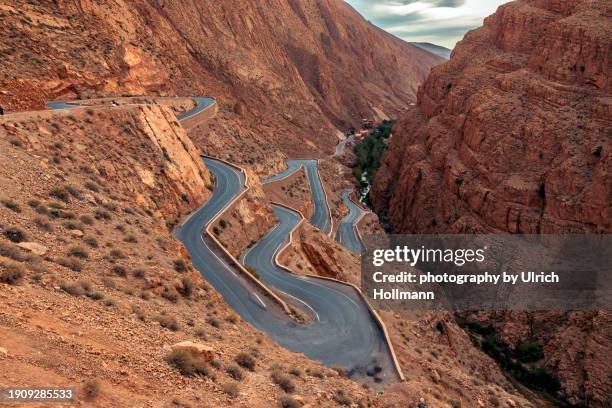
{"points": [[513, 135], [291, 70]]}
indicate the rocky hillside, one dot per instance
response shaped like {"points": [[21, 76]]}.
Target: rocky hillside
{"points": [[288, 71], [513, 134], [95, 291]]}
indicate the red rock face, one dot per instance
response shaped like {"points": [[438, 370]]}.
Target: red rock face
{"points": [[514, 134], [294, 70]]}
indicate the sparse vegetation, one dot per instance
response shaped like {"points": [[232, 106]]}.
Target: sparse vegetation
{"points": [[187, 287], [91, 186], [283, 381], [231, 389], [214, 322], [139, 273], [188, 364], [116, 254], [180, 265], [11, 205], [78, 252], [91, 241], [70, 263], [12, 274], [287, 401], [11, 251], [43, 224], [235, 372], [103, 215], [91, 390], [341, 398], [168, 322], [369, 151], [119, 270], [245, 360], [87, 219], [60, 193], [15, 234], [74, 289], [252, 271], [170, 294]]}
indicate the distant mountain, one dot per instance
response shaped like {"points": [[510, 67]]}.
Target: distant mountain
{"points": [[434, 49]]}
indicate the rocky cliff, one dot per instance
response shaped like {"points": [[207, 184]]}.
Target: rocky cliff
{"points": [[293, 71], [513, 134]]}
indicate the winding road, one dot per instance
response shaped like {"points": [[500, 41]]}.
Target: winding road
{"points": [[321, 217], [342, 330], [347, 234]]}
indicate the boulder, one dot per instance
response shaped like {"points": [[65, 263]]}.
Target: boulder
{"points": [[197, 349], [34, 247], [76, 233]]}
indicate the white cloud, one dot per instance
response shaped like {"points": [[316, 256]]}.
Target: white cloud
{"points": [[443, 22]]}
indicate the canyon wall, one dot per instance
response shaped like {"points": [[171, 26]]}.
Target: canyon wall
{"points": [[291, 71], [513, 135]]}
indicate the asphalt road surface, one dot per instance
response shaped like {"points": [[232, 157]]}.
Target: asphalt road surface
{"points": [[321, 217], [347, 230], [342, 331], [201, 104]]}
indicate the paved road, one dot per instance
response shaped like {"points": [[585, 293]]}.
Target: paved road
{"points": [[341, 146], [342, 333], [201, 104], [321, 217], [347, 230]]}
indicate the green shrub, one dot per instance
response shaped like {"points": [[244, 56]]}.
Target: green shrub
{"points": [[529, 352]]}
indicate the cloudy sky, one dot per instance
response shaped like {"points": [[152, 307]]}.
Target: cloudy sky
{"points": [[442, 22]]}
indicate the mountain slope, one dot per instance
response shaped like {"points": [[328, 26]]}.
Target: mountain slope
{"points": [[513, 135], [434, 49], [291, 70]]}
